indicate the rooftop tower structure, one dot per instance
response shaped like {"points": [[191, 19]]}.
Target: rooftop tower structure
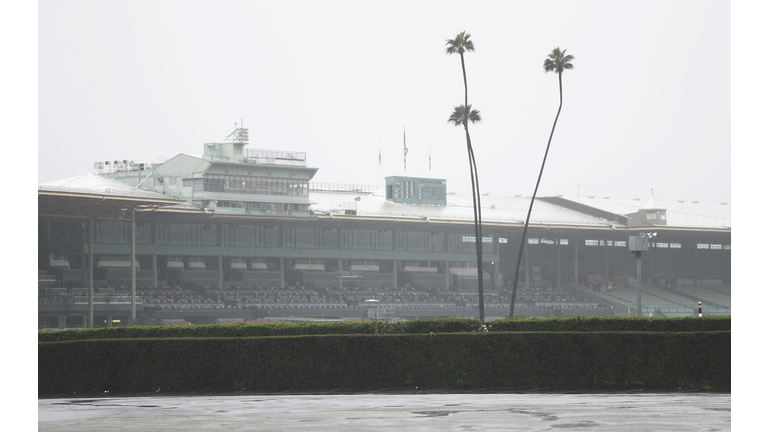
{"points": [[230, 178]]}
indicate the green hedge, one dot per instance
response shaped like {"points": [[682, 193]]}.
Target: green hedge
{"points": [[615, 323], [503, 360], [582, 324]]}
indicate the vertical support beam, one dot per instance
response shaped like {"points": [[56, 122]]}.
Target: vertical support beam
{"points": [[154, 270], [557, 245], [341, 285], [109, 320], [496, 273], [221, 274], [639, 282], [132, 321], [90, 273], [447, 275], [395, 266], [607, 278], [282, 273], [576, 258]]}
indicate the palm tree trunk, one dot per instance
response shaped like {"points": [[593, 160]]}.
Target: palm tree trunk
{"points": [[528, 217], [475, 198], [478, 225]]}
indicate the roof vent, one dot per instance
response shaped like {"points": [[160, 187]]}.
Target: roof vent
{"points": [[591, 196], [681, 201], [606, 197], [695, 202], [723, 203]]}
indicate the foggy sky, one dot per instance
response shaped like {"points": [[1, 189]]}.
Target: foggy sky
{"points": [[647, 105]]}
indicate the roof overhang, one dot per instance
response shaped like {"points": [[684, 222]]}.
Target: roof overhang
{"points": [[59, 202]]}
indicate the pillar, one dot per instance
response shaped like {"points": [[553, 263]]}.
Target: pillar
{"points": [[132, 320], [90, 273], [447, 275], [221, 274]]}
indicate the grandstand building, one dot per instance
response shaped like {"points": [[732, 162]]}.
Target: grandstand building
{"points": [[237, 234]]}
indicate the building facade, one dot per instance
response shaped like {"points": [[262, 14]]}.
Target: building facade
{"points": [[246, 235]]}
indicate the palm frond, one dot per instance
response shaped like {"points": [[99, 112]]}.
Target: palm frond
{"points": [[459, 44], [458, 117], [557, 61]]}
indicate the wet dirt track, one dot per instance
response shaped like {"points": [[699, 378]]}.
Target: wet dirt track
{"points": [[415, 411]]}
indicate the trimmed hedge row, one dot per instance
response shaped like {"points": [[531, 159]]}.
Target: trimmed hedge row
{"points": [[509, 360], [581, 324], [616, 323]]}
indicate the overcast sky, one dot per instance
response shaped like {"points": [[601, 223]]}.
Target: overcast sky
{"points": [[646, 106]]}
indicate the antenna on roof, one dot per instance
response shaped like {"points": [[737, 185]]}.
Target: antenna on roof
{"points": [[239, 135]]}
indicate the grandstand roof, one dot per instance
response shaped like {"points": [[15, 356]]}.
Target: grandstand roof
{"points": [[679, 214], [495, 209], [500, 210], [91, 195], [95, 184]]}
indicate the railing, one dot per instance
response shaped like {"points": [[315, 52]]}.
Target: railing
{"points": [[342, 188], [688, 311], [276, 154]]}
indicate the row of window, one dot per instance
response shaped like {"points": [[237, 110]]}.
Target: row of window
{"points": [[273, 236], [263, 206], [622, 243], [251, 185]]}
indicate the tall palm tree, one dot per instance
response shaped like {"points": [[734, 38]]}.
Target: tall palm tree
{"points": [[557, 61], [461, 44], [459, 116]]}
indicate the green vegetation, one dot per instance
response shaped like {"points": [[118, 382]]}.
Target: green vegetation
{"points": [[559, 353]]}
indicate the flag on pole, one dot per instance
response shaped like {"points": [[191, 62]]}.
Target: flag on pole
{"points": [[405, 149], [430, 156], [379, 155]]}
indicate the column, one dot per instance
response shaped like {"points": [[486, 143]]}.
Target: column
{"points": [[341, 286], [221, 274], [447, 275], [90, 273], [576, 259]]}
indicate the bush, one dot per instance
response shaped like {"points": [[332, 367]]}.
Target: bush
{"points": [[508, 360], [454, 325]]}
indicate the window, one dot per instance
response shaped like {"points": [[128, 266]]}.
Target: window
{"points": [[255, 185], [119, 232], [675, 245], [702, 246], [421, 241], [564, 242], [620, 243], [591, 243], [661, 245], [367, 239], [187, 234], [533, 241], [310, 237], [716, 246]]}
